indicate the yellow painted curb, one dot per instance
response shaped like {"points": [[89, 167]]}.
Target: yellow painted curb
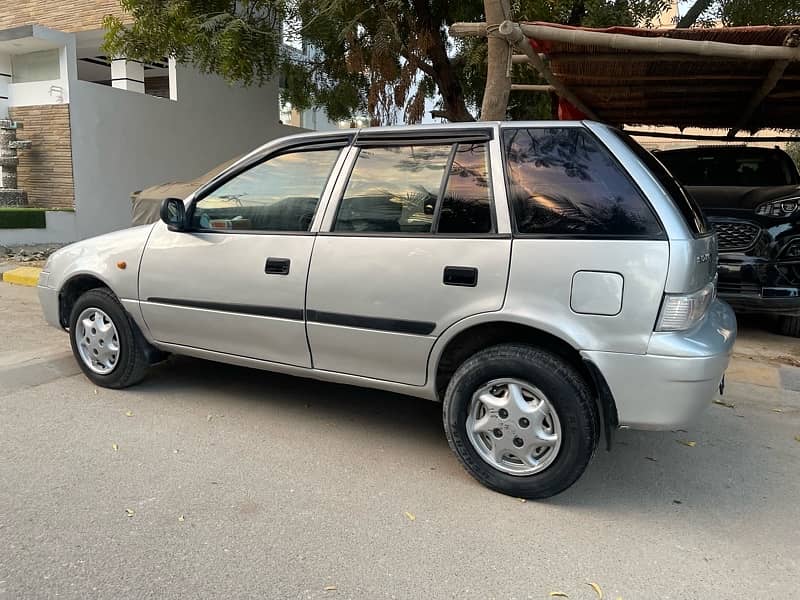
{"points": [[23, 276]]}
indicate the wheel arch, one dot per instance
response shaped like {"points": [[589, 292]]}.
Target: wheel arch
{"points": [[470, 338], [72, 289]]}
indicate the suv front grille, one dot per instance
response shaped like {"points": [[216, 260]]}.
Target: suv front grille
{"points": [[735, 235]]}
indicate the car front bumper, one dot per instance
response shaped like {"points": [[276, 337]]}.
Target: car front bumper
{"points": [[48, 298], [677, 378]]}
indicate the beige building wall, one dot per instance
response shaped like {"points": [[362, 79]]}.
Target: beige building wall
{"points": [[45, 170], [63, 15]]}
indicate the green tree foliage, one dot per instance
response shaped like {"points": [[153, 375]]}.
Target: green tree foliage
{"points": [[377, 57], [793, 150]]}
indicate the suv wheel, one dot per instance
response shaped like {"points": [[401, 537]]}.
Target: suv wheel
{"points": [[521, 420], [106, 344], [789, 326]]}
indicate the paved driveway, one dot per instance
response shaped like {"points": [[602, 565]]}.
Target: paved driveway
{"points": [[215, 481]]}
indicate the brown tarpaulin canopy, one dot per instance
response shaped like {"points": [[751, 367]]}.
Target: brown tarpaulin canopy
{"points": [[146, 203]]}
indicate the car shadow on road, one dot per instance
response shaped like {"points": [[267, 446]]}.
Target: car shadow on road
{"points": [[712, 466]]}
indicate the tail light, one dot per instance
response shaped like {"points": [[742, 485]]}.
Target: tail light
{"points": [[683, 311]]}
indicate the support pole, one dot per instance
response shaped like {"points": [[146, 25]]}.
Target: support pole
{"points": [[513, 33], [498, 77]]}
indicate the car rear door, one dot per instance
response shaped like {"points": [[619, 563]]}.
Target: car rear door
{"points": [[411, 243], [235, 281]]}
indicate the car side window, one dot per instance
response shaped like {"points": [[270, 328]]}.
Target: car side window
{"points": [[393, 189], [467, 201], [279, 194], [562, 181]]}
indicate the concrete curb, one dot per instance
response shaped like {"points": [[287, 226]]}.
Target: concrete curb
{"points": [[22, 276]]}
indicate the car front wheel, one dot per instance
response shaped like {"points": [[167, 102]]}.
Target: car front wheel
{"points": [[521, 420], [105, 342]]}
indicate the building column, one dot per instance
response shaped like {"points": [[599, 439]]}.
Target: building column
{"points": [[127, 75], [172, 71]]}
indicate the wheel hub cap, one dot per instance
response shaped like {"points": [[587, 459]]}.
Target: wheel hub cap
{"points": [[513, 426], [97, 341]]}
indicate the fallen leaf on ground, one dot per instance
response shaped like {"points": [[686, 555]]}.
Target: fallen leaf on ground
{"points": [[723, 403], [651, 458], [797, 438], [596, 589], [329, 588], [114, 447], [130, 512], [689, 443], [410, 516], [558, 595], [181, 519], [129, 414]]}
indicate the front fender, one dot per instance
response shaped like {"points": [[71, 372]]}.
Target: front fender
{"points": [[103, 257]]}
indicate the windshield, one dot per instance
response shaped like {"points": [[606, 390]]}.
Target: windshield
{"points": [[730, 167], [688, 207]]}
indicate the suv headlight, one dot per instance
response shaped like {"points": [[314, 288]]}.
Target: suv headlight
{"points": [[683, 311], [778, 209]]}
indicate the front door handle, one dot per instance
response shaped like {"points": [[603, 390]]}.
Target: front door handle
{"points": [[277, 266], [462, 276]]}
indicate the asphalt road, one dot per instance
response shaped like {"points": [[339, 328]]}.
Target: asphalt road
{"points": [[215, 481]]}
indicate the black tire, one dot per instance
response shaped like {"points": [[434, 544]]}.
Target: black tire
{"points": [[565, 389], [789, 326], [131, 364]]}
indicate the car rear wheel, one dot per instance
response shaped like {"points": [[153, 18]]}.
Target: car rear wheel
{"points": [[789, 326], [106, 344], [521, 420]]}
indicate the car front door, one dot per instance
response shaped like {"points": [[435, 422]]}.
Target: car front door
{"points": [[235, 281], [411, 247]]}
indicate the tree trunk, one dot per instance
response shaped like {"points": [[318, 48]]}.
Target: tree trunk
{"points": [[441, 69], [449, 88], [498, 84], [691, 16]]}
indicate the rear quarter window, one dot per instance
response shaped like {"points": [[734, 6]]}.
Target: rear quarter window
{"points": [[563, 181]]}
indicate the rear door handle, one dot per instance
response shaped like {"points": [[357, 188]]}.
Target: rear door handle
{"points": [[277, 266], [462, 276]]}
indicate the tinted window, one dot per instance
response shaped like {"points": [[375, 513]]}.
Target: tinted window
{"points": [[563, 181], [393, 189], [466, 206], [691, 212], [280, 194], [730, 167]]}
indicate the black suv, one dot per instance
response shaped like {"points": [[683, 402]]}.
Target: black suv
{"points": [[752, 198]]}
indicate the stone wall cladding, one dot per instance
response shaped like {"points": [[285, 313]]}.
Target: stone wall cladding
{"points": [[45, 171], [63, 15]]}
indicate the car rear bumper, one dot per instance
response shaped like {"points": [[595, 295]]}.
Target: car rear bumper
{"points": [[678, 377], [48, 298]]}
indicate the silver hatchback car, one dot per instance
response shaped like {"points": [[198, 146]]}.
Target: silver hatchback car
{"points": [[548, 282]]}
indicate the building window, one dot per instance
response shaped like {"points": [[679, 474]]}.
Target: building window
{"points": [[35, 66]]}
